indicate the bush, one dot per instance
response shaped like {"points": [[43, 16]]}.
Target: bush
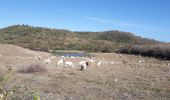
{"points": [[33, 69], [6, 93], [158, 51]]}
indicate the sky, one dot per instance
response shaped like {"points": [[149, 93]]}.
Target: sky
{"points": [[146, 18]]}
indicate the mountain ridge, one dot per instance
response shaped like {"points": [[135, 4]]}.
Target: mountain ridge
{"points": [[46, 39]]}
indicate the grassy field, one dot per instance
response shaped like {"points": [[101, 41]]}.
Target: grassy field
{"points": [[148, 80]]}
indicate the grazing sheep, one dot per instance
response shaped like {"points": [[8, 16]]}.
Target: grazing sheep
{"points": [[40, 57], [116, 79], [18, 57], [60, 62], [52, 57], [141, 61], [105, 62], [92, 61], [111, 62], [120, 55], [62, 56], [69, 64], [168, 64], [1, 96], [47, 61], [99, 63], [83, 65], [29, 57], [72, 57]]}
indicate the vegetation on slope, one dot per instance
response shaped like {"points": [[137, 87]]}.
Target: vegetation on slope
{"points": [[45, 39], [158, 51]]}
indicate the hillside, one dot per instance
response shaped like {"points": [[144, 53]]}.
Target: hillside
{"points": [[45, 39], [152, 50]]}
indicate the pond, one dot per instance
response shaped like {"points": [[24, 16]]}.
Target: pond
{"points": [[74, 54]]}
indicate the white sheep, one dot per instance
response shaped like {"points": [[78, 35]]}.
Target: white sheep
{"points": [[47, 61], [116, 79], [72, 57], [141, 61], [29, 57], [92, 61], [111, 62], [60, 62], [83, 65], [40, 57], [62, 57], [69, 64], [18, 57], [1, 96], [99, 63], [52, 57]]}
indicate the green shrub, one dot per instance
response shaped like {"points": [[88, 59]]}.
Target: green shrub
{"points": [[159, 51]]}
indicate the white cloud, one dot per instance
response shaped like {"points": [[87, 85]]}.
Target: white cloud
{"points": [[106, 21], [146, 27]]}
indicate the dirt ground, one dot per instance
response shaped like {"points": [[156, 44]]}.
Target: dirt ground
{"points": [[124, 79]]}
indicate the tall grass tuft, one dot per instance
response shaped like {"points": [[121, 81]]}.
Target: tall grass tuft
{"points": [[5, 93], [33, 69]]}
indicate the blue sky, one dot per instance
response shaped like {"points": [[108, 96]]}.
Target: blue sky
{"points": [[146, 18]]}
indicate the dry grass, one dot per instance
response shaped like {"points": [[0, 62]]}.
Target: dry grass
{"points": [[135, 81]]}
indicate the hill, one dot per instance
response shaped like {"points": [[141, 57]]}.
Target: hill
{"points": [[46, 39]]}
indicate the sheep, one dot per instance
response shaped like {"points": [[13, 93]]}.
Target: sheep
{"points": [[47, 61], [111, 62], [83, 65], [120, 55], [40, 57], [62, 57], [69, 63], [116, 79], [72, 57], [18, 57], [92, 61], [141, 61], [99, 63], [60, 62], [1, 96], [29, 57], [168, 64], [104, 61], [52, 57]]}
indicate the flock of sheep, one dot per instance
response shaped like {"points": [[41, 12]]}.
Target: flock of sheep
{"points": [[85, 61], [64, 62], [81, 62]]}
